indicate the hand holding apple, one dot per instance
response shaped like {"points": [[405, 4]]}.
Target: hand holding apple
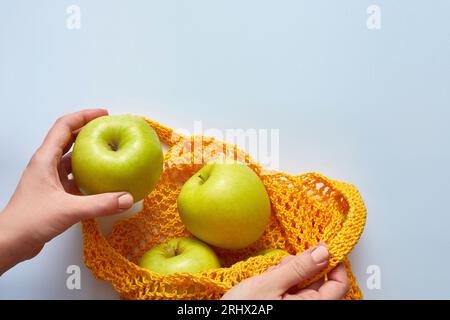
{"points": [[43, 205], [117, 153]]}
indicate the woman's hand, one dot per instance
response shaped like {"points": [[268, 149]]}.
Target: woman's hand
{"points": [[280, 281], [46, 202]]}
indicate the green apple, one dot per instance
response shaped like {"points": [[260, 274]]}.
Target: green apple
{"points": [[225, 204], [180, 255], [117, 153], [270, 251]]}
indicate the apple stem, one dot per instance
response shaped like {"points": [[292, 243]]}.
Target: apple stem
{"points": [[171, 251], [201, 178]]}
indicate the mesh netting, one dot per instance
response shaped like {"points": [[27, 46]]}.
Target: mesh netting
{"points": [[306, 209]]}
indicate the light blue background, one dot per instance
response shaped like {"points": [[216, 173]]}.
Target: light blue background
{"points": [[368, 107]]}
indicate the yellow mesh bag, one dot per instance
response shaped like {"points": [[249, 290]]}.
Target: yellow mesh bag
{"points": [[306, 209]]}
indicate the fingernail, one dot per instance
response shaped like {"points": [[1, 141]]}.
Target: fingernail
{"points": [[125, 201], [320, 254]]}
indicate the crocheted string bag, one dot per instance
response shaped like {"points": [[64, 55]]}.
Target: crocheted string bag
{"points": [[306, 209]]}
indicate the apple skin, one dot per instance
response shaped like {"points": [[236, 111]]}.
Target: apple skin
{"points": [[180, 255], [270, 251], [117, 153], [225, 204]]}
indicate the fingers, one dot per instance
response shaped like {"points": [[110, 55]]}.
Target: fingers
{"points": [[103, 204], [69, 143], [64, 169], [282, 262], [60, 137], [337, 285], [66, 163], [299, 268], [285, 260], [63, 172], [316, 285]]}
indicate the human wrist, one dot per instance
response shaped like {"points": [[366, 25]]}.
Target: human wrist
{"points": [[15, 244]]}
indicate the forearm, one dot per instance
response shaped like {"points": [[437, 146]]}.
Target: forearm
{"points": [[14, 245]]}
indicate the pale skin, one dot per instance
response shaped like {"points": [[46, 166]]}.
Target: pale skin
{"points": [[46, 202]]}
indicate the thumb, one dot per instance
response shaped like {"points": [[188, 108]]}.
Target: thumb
{"points": [[299, 268], [103, 204]]}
